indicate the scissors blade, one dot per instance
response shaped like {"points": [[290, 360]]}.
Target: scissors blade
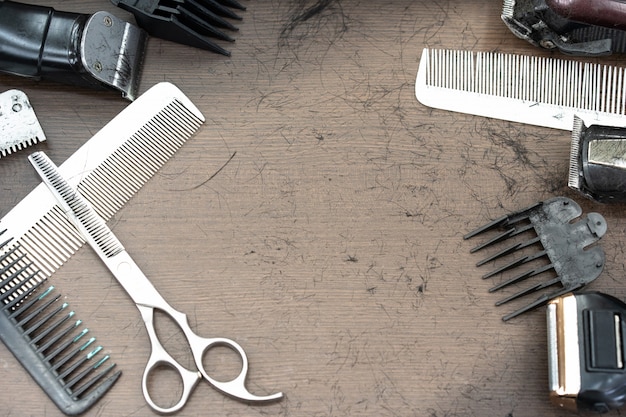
{"points": [[99, 236]]}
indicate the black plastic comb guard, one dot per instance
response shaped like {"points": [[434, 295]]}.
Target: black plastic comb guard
{"points": [[41, 332], [564, 243], [195, 23]]}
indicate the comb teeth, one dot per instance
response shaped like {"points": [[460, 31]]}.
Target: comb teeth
{"points": [[37, 238], [41, 332], [76, 204], [556, 247], [573, 179], [528, 89], [121, 175], [50, 239], [508, 8]]}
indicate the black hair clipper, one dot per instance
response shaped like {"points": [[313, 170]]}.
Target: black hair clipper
{"points": [[586, 351], [96, 51]]}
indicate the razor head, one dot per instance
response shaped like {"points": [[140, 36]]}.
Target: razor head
{"points": [[44, 335], [19, 127], [543, 248], [586, 351], [597, 167], [197, 23]]}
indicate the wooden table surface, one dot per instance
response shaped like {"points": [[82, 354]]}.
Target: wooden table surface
{"points": [[317, 219]]}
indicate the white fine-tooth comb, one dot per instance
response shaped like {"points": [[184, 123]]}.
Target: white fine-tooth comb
{"points": [[109, 169], [527, 89]]}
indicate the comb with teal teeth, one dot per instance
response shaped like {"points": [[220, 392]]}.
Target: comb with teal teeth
{"points": [[44, 335]]}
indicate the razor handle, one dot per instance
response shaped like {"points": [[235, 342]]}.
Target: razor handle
{"points": [[97, 51], [607, 13], [586, 352]]}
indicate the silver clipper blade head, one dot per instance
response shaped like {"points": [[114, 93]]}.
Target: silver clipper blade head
{"points": [[597, 167]]}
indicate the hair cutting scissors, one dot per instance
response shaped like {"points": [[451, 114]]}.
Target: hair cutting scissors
{"points": [[145, 295]]}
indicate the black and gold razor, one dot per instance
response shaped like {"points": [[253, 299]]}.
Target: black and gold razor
{"points": [[586, 351]]}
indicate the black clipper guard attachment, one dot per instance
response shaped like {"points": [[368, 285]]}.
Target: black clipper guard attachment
{"points": [[194, 23], [551, 244], [597, 167], [45, 337], [96, 51]]}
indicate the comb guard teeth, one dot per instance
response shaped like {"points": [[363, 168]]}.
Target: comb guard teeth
{"points": [[574, 260]]}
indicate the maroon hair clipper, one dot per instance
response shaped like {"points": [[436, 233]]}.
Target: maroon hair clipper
{"points": [[574, 27]]}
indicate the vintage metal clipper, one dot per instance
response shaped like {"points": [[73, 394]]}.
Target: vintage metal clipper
{"points": [[574, 27]]}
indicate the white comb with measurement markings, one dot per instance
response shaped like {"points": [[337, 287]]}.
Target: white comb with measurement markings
{"points": [[527, 89], [107, 170]]}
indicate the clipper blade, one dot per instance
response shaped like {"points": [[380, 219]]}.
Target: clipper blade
{"points": [[545, 242], [597, 166], [43, 334], [19, 127]]}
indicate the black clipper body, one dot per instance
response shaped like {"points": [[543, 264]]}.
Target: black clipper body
{"points": [[597, 167], [574, 27], [586, 351], [96, 51]]}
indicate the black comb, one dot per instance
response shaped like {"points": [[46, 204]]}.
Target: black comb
{"points": [[195, 23], [560, 242], [42, 333]]}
